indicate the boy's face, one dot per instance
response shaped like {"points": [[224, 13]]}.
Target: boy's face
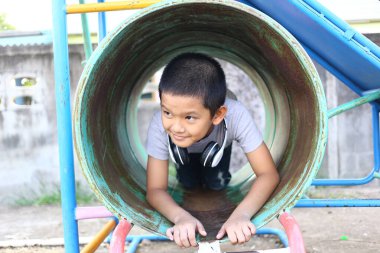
{"points": [[185, 119]]}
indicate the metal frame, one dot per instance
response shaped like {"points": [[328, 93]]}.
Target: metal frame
{"points": [[63, 109]]}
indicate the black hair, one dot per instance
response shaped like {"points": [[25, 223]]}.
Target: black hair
{"points": [[195, 75]]}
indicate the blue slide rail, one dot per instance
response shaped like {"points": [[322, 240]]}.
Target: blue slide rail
{"points": [[333, 43]]}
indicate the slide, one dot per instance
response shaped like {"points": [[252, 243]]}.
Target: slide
{"points": [[346, 53]]}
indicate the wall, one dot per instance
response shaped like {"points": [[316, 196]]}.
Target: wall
{"points": [[28, 133]]}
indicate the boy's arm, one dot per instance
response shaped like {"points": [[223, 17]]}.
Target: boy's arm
{"points": [[156, 192], [158, 197], [238, 226]]}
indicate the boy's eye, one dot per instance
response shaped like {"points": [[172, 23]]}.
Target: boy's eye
{"points": [[167, 113], [191, 118]]}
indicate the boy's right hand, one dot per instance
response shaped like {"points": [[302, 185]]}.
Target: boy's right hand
{"points": [[183, 232]]}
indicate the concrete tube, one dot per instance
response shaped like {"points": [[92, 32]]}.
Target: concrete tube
{"points": [[105, 127]]}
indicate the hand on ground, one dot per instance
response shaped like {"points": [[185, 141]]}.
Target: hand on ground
{"points": [[184, 230], [239, 230]]}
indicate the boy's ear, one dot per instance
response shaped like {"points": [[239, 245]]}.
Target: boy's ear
{"points": [[219, 115]]}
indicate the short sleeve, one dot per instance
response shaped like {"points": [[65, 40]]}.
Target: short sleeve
{"points": [[246, 132], [156, 141]]}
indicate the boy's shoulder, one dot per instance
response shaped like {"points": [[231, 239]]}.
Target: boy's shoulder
{"points": [[241, 126], [156, 121], [234, 107]]}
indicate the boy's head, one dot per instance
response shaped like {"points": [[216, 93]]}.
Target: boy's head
{"points": [[195, 75]]}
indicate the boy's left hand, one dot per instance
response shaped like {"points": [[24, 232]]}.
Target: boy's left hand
{"points": [[239, 229]]}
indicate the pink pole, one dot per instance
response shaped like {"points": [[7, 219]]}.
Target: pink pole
{"points": [[119, 235], [92, 212], [293, 232]]}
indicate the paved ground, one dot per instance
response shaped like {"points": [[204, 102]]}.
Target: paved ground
{"points": [[348, 230]]}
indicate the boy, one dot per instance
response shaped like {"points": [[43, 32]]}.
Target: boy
{"points": [[196, 127]]}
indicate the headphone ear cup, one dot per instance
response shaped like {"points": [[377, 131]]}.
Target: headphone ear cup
{"points": [[209, 153], [179, 155]]}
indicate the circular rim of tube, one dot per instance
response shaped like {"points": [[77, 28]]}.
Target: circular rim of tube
{"points": [[296, 192]]}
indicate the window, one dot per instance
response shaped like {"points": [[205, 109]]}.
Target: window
{"points": [[23, 100], [25, 81], [147, 96]]}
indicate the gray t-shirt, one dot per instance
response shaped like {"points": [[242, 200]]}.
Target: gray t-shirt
{"points": [[240, 125]]}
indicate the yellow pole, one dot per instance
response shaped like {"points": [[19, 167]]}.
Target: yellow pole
{"points": [[99, 237], [109, 6]]}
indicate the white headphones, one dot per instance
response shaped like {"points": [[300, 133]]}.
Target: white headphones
{"points": [[211, 155]]}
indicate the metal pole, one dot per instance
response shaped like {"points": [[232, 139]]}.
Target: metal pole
{"points": [[344, 181], [102, 28], [119, 236], [376, 153], [293, 232], [376, 138], [62, 93], [365, 98], [338, 203], [86, 34], [109, 6], [99, 237]]}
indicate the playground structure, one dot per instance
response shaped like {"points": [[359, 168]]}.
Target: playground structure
{"points": [[297, 169]]}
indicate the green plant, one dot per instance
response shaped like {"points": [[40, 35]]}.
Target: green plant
{"points": [[4, 26], [52, 196]]}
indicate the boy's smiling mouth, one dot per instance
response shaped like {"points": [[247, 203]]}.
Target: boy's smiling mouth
{"points": [[178, 137]]}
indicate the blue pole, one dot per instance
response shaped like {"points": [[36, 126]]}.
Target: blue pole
{"points": [[336, 182], [376, 154], [376, 138], [338, 203], [135, 241], [274, 231], [62, 93], [101, 24]]}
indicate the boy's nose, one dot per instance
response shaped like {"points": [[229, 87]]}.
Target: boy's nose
{"points": [[177, 127]]}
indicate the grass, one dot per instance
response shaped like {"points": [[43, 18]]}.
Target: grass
{"points": [[52, 196]]}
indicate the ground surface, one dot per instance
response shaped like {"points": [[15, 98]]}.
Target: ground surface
{"points": [[348, 230]]}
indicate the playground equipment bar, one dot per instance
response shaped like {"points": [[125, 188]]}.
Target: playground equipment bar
{"points": [[368, 97], [101, 24], [119, 235], [86, 34], [293, 232], [338, 203], [100, 237], [348, 181], [91, 212], [63, 108], [109, 6], [376, 153]]}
